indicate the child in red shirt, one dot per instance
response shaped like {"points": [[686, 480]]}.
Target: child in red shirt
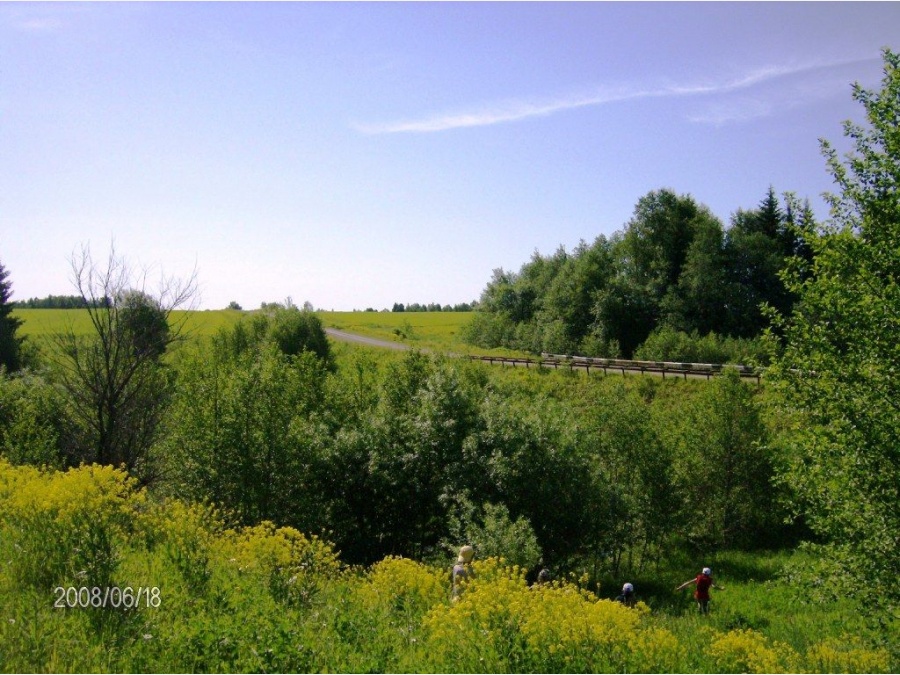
{"points": [[703, 582]]}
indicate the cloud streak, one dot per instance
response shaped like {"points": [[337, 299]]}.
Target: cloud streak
{"points": [[515, 110]]}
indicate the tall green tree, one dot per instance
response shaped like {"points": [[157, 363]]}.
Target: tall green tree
{"points": [[838, 370], [116, 384], [10, 343], [697, 302], [757, 246], [570, 298], [724, 468], [668, 235]]}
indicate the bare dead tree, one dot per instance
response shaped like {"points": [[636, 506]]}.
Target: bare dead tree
{"points": [[117, 384]]}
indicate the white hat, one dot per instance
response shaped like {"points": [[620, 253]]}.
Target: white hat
{"points": [[628, 588], [707, 572]]}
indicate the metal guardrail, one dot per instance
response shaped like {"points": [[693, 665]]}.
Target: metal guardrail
{"points": [[624, 366], [664, 368]]}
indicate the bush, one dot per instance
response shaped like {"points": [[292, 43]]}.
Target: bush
{"points": [[667, 344], [488, 330], [34, 427], [291, 330], [494, 534]]}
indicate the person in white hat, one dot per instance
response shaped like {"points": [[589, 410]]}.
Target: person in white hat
{"points": [[704, 582], [626, 597], [462, 570]]}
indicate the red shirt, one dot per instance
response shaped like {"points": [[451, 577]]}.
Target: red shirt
{"points": [[703, 584]]}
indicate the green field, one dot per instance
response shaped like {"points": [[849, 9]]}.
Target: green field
{"points": [[43, 323], [437, 331]]}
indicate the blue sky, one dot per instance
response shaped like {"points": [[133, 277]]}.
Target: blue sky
{"points": [[357, 155]]}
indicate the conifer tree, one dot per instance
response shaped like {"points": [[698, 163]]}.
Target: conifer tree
{"points": [[10, 343]]}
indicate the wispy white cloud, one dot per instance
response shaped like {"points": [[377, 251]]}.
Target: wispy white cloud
{"points": [[514, 110], [28, 19], [42, 25]]}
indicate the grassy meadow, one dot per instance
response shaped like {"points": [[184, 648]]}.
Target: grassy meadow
{"points": [[436, 331]]}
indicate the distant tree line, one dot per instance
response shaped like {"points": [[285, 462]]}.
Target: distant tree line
{"points": [[433, 307], [675, 282], [59, 302]]}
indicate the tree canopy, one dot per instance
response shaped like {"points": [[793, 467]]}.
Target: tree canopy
{"points": [[673, 268], [838, 370]]}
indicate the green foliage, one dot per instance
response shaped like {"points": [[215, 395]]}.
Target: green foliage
{"points": [[668, 344], [494, 534], [537, 471], [244, 434], [144, 324], [53, 302], [838, 371], [632, 467], [34, 425], [489, 330], [673, 267], [724, 468], [290, 329], [10, 343]]}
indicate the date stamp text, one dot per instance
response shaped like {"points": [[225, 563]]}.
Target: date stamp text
{"points": [[107, 596]]}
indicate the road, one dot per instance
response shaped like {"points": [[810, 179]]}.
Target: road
{"points": [[362, 339]]}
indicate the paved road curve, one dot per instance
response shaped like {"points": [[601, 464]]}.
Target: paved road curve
{"points": [[362, 339]]}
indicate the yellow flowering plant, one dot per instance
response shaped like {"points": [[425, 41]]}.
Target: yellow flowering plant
{"points": [[748, 651], [293, 565], [501, 624], [67, 526], [846, 655]]}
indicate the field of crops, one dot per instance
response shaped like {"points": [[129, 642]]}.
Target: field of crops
{"points": [[438, 331], [43, 323]]}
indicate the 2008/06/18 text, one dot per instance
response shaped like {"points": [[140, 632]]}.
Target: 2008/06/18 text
{"points": [[108, 596]]}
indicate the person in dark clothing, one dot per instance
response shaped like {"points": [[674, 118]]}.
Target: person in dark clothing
{"points": [[626, 597]]}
